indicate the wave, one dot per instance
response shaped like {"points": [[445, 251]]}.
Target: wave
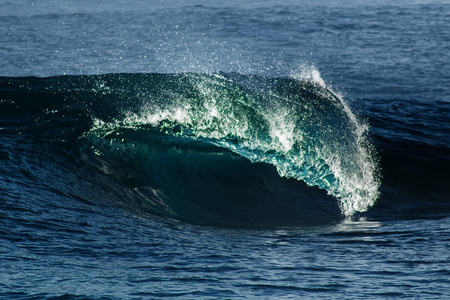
{"points": [[220, 149]]}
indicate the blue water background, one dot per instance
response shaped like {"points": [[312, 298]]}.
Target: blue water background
{"points": [[371, 49], [389, 59]]}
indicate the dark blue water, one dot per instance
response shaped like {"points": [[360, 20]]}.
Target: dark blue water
{"points": [[223, 150]]}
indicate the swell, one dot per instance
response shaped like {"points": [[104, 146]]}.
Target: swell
{"points": [[221, 149]]}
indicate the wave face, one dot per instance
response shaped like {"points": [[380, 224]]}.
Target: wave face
{"points": [[221, 149]]}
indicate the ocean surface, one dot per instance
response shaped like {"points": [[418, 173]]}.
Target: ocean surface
{"points": [[224, 149]]}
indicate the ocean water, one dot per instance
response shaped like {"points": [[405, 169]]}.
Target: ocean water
{"points": [[224, 150]]}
